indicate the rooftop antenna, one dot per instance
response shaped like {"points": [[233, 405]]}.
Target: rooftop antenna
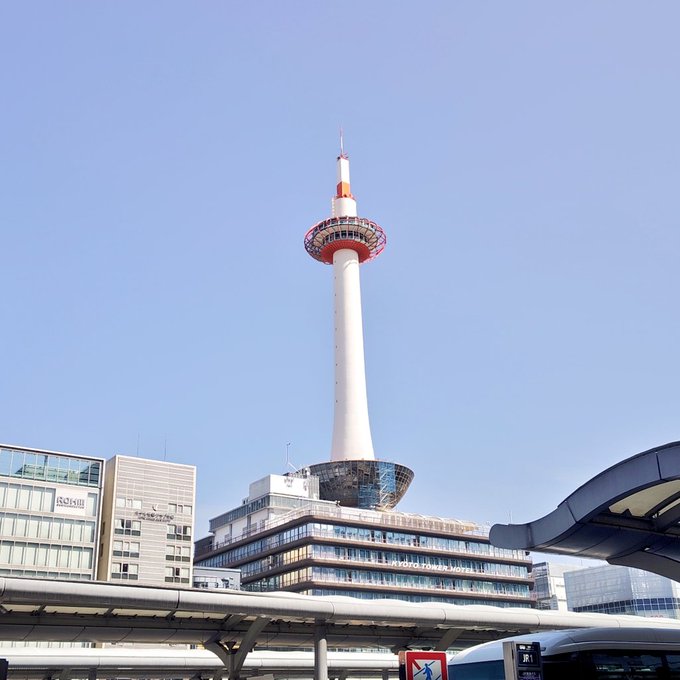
{"points": [[342, 144], [137, 454], [165, 449], [288, 463]]}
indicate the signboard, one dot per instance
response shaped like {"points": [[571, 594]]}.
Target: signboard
{"points": [[423, 666], [70, 501], [522, 660]]}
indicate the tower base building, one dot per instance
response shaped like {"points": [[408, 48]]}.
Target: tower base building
{"points": [[285, 537]]}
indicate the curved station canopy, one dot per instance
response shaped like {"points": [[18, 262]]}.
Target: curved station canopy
{"points": [[627, 515]]}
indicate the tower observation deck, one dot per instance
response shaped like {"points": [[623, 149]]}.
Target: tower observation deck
{"points": [[354, 477]]}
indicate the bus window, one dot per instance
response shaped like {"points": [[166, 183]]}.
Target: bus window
{"points": [[627, 666], [484, 670]]}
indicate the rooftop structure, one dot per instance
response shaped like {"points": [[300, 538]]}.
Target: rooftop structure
{"points": [[353, 477]]}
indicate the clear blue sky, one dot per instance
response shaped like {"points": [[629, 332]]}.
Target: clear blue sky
{"points": [[161, 162]]}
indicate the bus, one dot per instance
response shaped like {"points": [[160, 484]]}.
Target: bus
{"points": [[582, 654]]}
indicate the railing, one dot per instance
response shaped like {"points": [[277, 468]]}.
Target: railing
{"points": [[395, 520]]}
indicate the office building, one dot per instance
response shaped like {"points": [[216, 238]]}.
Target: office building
{"points": [[549, 590], [50, 504], [147, 522], [622, 590]]}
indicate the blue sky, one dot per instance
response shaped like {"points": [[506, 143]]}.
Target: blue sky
{"points": [[161, 162]]}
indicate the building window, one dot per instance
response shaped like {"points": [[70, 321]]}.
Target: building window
{"points": [[125, 570], [177, 574], [178, 553], [128, 527], [179, 532], [129, 503], [179, 509], [125, 549]]}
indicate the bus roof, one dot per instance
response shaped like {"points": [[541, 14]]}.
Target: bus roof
{"points": [[563, 641]]}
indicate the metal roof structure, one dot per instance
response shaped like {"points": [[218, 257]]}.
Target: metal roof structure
{"points": [[231, 623], [627, 515]]}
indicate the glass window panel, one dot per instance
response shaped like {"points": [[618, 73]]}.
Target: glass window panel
{"points": [[53, 556], [5, 552], [18, 553], [20, 525], [48, 499], [24, 498], [33, 527], [36, 499], [17, 463], [52, 472], [94, 474], [29, 466], [30, 554], [44, 528], [5, 462], [92, 503]]}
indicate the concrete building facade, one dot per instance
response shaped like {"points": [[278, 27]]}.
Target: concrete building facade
{"points": [[147, 522], [50, 504]]}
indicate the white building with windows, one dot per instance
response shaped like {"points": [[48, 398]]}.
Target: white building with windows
{"points": [[50, 504], [147, 522], [549, 588]]}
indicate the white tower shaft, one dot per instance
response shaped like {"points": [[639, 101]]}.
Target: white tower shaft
{"points": [[351, 428]]}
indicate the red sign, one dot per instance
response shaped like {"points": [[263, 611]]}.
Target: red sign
{"points": [[426, 666]]}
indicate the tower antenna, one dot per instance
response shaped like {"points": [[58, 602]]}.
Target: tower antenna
{"points": [[342, 144]]}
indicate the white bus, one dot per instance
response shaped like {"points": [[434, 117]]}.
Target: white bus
{"points": [[583, 654]]}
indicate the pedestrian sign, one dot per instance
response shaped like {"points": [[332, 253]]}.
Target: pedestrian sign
{"points": [[423, 666]]}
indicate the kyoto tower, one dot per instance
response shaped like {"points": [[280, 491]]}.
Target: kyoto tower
{"points": [[354, 477]]}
